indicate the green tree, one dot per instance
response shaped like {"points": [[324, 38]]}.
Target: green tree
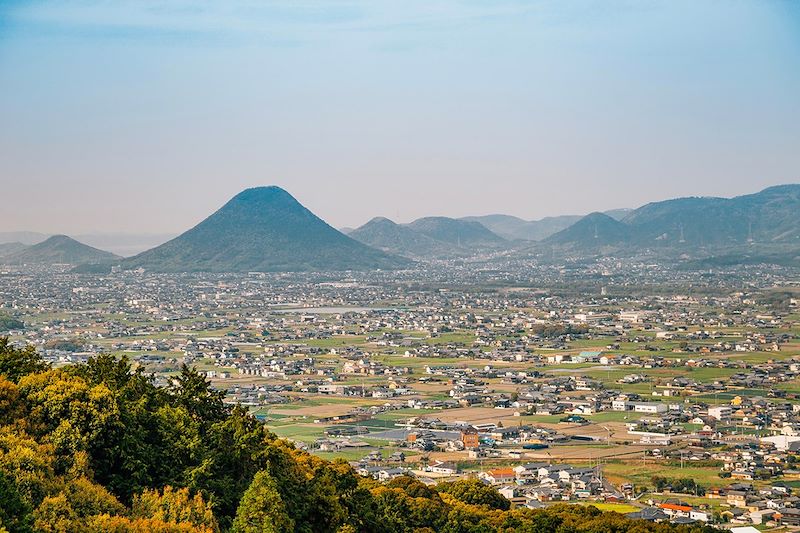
{"points": [[55, 515], [89, 499], [413, 487], [174, 506], [9, 322], [15, 513], [262, 509], [193, 391], [18, 362], [475, 492]]}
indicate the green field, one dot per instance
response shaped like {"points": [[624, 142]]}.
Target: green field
{"points": [[621, 508]]}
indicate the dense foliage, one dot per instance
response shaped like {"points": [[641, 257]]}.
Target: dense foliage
{"points": [[681, 485], [7, 323], [99, 448], [558, 330]]}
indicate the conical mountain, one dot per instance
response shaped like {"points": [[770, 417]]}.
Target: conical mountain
{"points": [[59, 249], [391, 237], [593, 230], [263, 229]]}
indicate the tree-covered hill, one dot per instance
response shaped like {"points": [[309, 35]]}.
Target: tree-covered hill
{"points": [[386, 235], [263, 229], [764, 224], [58, 249], [457, 232]]}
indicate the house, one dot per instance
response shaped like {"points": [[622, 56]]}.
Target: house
{"points": [[500, 476], [442, 467], [528, 472], [510, 491], [470, 439], [651, 514], [387, 474], [675, 510], [504, 434], [398, 457], [621, 405], [788, 516], [649, 407]]}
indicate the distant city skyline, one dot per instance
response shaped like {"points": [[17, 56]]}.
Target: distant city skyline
{"points": [[146, 116]]}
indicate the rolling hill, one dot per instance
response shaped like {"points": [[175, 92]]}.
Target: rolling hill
{"points": [[769, 216], [511, 227], [8, 248], [24, 237], [514, 228], [263, 229], [458, 232], [592, 231], [391, 237], [59, 249]]}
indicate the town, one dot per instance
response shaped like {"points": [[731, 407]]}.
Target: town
{"points": [[662, 395]]}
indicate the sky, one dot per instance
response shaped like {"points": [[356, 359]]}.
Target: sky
{"points": [[144, 116]]}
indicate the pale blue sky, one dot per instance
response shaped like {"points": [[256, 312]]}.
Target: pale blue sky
{"points": [[145, 116]]}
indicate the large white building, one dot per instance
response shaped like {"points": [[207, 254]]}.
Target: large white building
{"points": [[720, 412], [649, 407], [783, 443]]}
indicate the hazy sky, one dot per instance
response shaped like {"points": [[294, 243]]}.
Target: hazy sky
{"points": [[145, 116]]}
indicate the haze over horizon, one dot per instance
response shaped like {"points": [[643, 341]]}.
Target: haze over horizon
{"points": [[144, 117]]}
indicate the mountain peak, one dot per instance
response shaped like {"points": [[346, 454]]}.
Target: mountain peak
{"points": [[595, 229], [59, 249], [597, 216], [382, 221], [59, 240], [262, 229], [385, 234], [263, 193]]}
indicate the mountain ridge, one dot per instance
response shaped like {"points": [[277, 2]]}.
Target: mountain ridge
{"points": [[456, 231], [385, 234], [515, 228], [701, 224]]}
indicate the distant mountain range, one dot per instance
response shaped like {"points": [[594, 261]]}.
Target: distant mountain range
{"points": [[22, 237], [383, 234], [456, 231], [700, 225], [7, 248], [124, 244], [58, 249], [263, 229], [429, 237], [514, 228]]}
